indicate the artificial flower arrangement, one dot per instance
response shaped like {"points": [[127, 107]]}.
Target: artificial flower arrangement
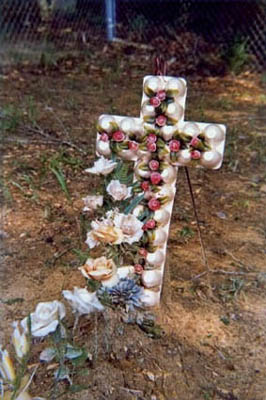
{"points": [[137, 160]]}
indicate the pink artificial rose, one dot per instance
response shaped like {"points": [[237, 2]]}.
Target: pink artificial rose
{"points": [[161, 95], [138, 269], [194, 142], [133, 145], [161, 120], [152, 147], [150, 224], [143, 252], [152, 138], [174, 145], [155, 178], [145, 186], [195, 155], [154, 165], [118, 136], [104, 137], [155, 101], [154, 204]]}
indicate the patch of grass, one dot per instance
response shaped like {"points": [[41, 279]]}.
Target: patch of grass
{"points": [[237, 56], [56, 169], [224, 104], [31, 109], [5, 192], [243, 203], [9, 302], [229, 290], [28, 193], [187, 232], [10, 117], [139, 24]]}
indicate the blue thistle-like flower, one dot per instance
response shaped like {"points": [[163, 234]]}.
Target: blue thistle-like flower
{"points": [[126, 292]]}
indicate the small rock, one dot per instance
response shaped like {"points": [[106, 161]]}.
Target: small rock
{"points": [[151, 376], [3, 234], [221, 215], [263, 188]]}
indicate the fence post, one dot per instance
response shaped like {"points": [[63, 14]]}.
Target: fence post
{"points": [[110, 16]]}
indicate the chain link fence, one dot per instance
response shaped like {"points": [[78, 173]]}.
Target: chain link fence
{"points": [[234, 29]]}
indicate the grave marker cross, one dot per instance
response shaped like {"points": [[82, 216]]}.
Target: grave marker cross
{"points": [[158, 142]]}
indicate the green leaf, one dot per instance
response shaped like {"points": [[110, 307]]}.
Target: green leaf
{"points": [[148, 119], [134, 204], [48, 354], [61, 180], [62, 373], [123, 173], [81, 359], [114, 126], [149, 92], [72, 352]]}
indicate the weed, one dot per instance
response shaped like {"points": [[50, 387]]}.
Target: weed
{"points": [[12, 301], [56, 169], [207, 396], [28, 192], [229, 290], [10, 118], [224, 104], [225, 320], [71, 104], [242, 203], [139, 24], [31, 110], [186, 232], [237, 56], [5, 192]]}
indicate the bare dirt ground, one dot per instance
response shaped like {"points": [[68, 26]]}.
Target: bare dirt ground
{"points": [[213, 347]]}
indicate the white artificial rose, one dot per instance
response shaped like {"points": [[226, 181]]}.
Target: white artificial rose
{"points": [[7, 370], [20, 341], [130, 226], [45, 318], [118, 191], [100, 269], [104, 232], [92, 202], [82, 301], [102, 166]]}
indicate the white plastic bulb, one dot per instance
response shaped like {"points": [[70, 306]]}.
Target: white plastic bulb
{"points": [[214, 133], [162, 216], [191, 129], [151, 278], [103, 148], [160, 237], [153, 84], [184, 157], [105, 123], [167, 132], [169, 174], [150, 298], [211, 159], [156, 258], [166, 190], [128, 125], [147, 109], [177, 85], [175, 110]]}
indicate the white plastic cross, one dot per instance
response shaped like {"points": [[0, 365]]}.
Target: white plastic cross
{"points": [[158, 142]]}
